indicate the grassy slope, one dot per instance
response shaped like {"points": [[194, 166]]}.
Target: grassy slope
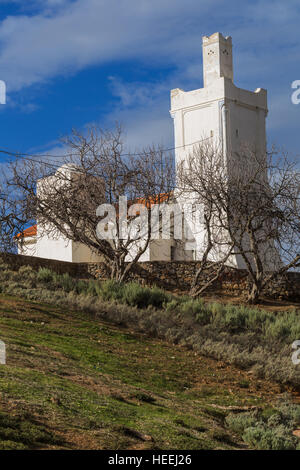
{"points": [[72, 382]]}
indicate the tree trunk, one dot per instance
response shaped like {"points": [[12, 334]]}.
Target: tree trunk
{"points": [[254, 294], [117, 270], [196, 291]]}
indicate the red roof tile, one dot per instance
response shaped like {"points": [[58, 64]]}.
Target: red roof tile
{"points": [[28, 232]]}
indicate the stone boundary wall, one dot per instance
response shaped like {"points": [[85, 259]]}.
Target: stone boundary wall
{"points": [[174, 276], [177, 276], [60, 267]]}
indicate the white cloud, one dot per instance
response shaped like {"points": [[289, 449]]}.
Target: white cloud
{"points": [[145, 124], [143, 108], [35, 48], [65, 36]]}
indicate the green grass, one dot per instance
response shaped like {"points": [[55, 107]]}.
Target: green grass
{"points": [[248, 337], [21, 432], [72, 382]]}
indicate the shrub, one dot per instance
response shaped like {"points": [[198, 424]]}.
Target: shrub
{"points": [[283, 326], [217, 309], [271, 430], [66, 282], [27, 271], [172, 306], [81, 287], [289, 414], [133, 294], [136, 295], [254, 318], [158, 297], [239, 422], [26, 276], [192, 306], [110, 290], [3, 266], [90, 288], [5, 275], [234, 317], [45, 275], [278, 438]]}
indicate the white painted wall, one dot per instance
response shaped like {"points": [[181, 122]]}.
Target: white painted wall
{"points": [[51, 247], [27, 247], [57, 248]]}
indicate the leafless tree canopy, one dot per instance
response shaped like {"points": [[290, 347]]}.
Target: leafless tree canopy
{"points": [[13, 216], [96, 170], [253, 201]]}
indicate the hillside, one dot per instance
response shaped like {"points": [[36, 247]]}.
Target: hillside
{"points": [[72, 382]]}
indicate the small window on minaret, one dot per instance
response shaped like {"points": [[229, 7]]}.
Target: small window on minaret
{"points": [[211, 133], [236, 132]]}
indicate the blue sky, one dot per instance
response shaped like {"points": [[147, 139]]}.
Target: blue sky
{"points": [[67, 63]]}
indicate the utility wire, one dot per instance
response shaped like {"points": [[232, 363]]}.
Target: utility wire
{"points": [[32, 157], [16, 155]]}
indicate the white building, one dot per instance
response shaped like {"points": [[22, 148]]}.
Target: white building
{"points": [[42, 240], [221, 111]]}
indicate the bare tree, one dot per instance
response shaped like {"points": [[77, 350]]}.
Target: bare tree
{"points": [[96, 172], [13, 217], [253, 203], [209, 269]]}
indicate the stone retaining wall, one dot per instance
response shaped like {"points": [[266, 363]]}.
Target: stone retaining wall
{"points": [[60, 267], [175, 276]]}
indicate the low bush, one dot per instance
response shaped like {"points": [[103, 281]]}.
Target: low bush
{"points": [[66, 282], [158, 298], [265, 432], [131, 293], [81, 287], [110, 290], [262, 438], [26, 276], [285, 326], [135, 295], [238, 423], [45, 275]]}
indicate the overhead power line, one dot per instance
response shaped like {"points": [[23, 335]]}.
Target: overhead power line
{"points": [[33, 157]]}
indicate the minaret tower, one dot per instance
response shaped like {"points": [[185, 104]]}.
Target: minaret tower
{"points": [[230, 117], [220, 110], [217, 58]]}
